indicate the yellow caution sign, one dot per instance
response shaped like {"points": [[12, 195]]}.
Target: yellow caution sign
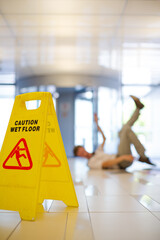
{"points": [[33, 163]]}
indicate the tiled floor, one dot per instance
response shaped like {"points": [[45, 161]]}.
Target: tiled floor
{"points": [[113, 205]]}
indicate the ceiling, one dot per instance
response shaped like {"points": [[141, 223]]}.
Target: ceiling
{"points": [[97, 37]]}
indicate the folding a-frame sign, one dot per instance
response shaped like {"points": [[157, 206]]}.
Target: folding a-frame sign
{"points": [[33, 163]]}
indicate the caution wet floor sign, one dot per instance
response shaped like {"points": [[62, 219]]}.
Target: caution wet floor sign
{"points": [[33, 163]]}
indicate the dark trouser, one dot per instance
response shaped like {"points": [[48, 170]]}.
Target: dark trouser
{"points": [[128, 137]]}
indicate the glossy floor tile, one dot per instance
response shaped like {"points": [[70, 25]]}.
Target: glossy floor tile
{"points": [[113, 204], [155, 197], [148, 202], [8, 222], [157, 214], [125, 226], [47, 226], [79, 227]]}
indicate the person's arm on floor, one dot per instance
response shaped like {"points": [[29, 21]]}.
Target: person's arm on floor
{"points": [[117, 160], [99, 129]]}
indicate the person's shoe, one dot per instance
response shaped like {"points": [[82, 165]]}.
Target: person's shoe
{"points": [[124, 164], [137, 102], [146, 160]]}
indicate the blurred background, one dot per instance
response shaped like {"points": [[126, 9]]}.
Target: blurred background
{"points": [[91, 55]]}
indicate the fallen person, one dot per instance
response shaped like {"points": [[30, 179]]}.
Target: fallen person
{"points": [[123, 159]]}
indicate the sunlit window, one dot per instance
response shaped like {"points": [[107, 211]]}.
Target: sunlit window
{"points": [[7, 94], [7, 78], [104, 58], [108, 117], [83, 123]]}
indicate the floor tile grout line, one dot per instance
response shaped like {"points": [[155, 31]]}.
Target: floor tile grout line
{"points": [[142, 204], [65, 230], [146, 194], [153, 199], [50, 207], [123, 212], [91, 225], [144, 211], [66, 212], [121, 186], [148, 209], [89, 216], [155, 216], [152, 213], [13, 230]]}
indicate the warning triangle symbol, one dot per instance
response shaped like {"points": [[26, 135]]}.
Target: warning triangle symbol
{"points": [[50, 159], [19, 157]]}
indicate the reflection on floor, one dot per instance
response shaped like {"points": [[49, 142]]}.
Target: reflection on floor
{"points": [[113, 205]]}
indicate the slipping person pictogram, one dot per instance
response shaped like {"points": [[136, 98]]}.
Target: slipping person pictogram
{"points": [[19, 156], [48, 153]]}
